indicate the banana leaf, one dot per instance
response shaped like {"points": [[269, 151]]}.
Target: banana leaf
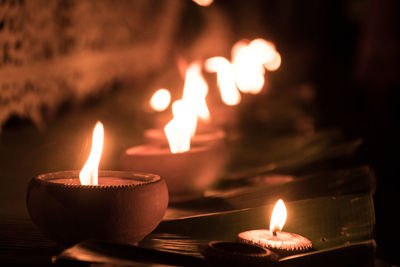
{"points": [[340, 228], [257, 191]]}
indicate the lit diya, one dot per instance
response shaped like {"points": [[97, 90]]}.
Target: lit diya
{"points": [[71, 206], [282, 243], [188, 170]]}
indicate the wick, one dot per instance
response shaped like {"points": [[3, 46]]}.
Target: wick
{"points": [[274, 233]]}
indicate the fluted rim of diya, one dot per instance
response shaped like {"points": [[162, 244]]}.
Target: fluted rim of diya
{"points": [[209, 135], [236, 253], [68, 179], [285, 244], [157, 150], [124, 207]]}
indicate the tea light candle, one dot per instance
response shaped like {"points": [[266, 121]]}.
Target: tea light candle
{"points": [[282, 243]]}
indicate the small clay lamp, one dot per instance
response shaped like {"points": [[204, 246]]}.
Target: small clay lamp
{"points": [[222, 253], [283, 243], [208, 136], [188, 174], [71, 206], [188, 168]]}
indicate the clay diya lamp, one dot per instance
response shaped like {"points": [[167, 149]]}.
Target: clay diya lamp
{"points": [[209, 135], [124, 207], [282, 243], [187, 174], [71, 206]]}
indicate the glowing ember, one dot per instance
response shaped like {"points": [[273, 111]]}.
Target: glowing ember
{"points": [[89, 172], [160, 100], [278, 217], [203, 2], [229, 93], [187, 110]]}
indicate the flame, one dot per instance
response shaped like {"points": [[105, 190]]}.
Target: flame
{"points": [[195, 91], [203, 2], [275, 63], [249, 73], [225, 78], [89, 172], [278, 217], [160, 99], [187, 110], [249, 60]]}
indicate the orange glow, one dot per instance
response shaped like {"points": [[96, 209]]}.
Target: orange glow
{"points": [[195, 91], [203, 2], [249, 60], [248, 72], [278, 218], [89, 172], [263, 50], [275, 63], [187, 110], [160, 100], [225, 78]]}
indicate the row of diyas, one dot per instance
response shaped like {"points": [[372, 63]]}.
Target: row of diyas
{"points": [[125, 206], [72, 206]]}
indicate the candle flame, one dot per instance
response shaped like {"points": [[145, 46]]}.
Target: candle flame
{"points": [[89, 172], [225, 79], [160, 100], [249, 60], [187, 110], [203, 2], [278, 217]]}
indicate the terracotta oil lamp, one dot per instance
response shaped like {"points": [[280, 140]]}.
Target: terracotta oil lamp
{"points": [[115, 206]]}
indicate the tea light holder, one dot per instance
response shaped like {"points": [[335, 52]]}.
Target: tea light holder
{"points": [[222, 253], [284, 244], [123, 208]]}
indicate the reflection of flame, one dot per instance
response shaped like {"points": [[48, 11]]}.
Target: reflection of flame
{"points": [[229, 93], [89, 172], [203, 2], [187, 110], [278, 217], [160, 100]]}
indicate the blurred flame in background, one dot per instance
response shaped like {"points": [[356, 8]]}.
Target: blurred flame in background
{"points": [[203, 2], [225, 78], [249, 60], [246, 73], [188, 110], [160, 100]]}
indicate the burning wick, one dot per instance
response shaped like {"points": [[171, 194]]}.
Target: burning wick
{"points": [[274, 239], [89, 172]]}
